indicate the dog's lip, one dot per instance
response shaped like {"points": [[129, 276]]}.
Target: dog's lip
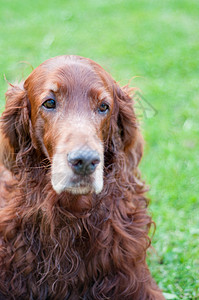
{"points": [[81, 180], [74, 192]]}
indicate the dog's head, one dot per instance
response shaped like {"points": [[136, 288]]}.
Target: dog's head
{"points": [[75, 116]]}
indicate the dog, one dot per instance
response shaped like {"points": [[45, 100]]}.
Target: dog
{"points": [[73, 217]]}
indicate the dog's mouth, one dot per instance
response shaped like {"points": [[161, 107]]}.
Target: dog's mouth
{"points": [[66, 180], [80, 185]]}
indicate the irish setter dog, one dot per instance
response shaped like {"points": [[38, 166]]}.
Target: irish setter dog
{"points": [[73, 217]]}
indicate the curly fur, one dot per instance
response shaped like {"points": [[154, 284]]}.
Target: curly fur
{"points": [[65, 246]]}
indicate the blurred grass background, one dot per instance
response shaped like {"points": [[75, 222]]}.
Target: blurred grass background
{"points": [[158, 43]]}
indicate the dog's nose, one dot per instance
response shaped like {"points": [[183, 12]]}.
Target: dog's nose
{"points": [[83, 161]]}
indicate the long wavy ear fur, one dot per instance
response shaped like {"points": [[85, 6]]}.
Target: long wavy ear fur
{"points": [[131, 141], [14, 126]]}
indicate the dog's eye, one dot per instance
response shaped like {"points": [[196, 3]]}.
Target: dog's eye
{"points": [[103, 108], [50, 104]]}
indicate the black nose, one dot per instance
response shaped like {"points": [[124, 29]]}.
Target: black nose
{"points": [[83, 161]]}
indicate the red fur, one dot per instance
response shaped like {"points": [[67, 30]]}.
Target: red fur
{"points": [[66, 246]]}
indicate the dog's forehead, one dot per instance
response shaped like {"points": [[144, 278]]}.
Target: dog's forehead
{"points": [[64, 72]]}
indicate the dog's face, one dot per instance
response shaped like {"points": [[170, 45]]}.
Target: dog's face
{"points": [[71, 105], [72, 113]]}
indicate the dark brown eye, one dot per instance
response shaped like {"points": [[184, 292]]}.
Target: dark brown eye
{"points": [[103, 108], [49, 104]]}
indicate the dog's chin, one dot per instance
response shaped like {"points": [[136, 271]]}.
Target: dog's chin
{"points": [[83, 190], [79, 188]]}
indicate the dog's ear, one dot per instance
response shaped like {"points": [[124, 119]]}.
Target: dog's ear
{"points": [[14, 126], [127, 124]]}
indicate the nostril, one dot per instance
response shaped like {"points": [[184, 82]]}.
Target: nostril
{"points": [[95, 162], [76, 162]]}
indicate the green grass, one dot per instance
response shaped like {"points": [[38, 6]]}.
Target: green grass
{"points": [[157, 41]]}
